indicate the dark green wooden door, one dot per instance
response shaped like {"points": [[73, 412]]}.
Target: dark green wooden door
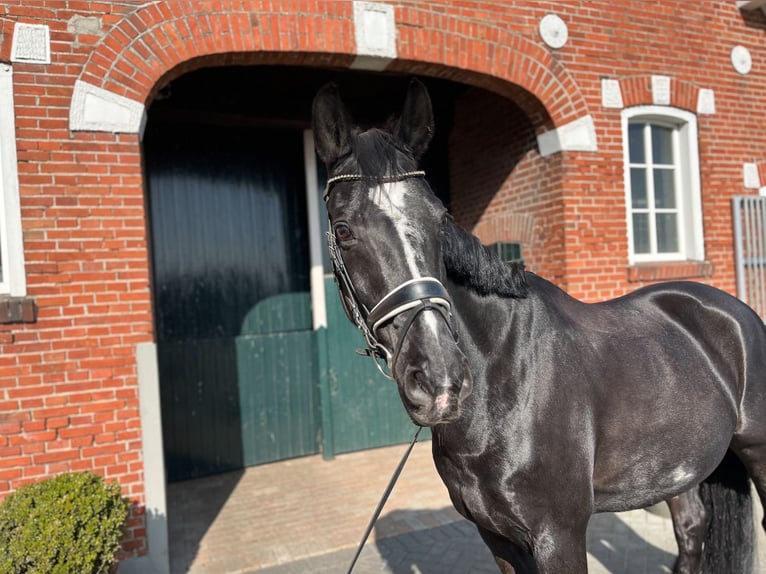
{"points": [[366, 409], [237, 356]]}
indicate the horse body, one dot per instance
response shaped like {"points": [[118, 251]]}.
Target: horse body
{"points": [[543, 409], [570, 403]]}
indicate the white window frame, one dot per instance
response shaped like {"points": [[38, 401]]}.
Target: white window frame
{"points": [[13, 281], [687, 181]]}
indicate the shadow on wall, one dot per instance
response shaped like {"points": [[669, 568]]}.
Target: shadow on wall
{"points": [[407, 545], [492, 145]]}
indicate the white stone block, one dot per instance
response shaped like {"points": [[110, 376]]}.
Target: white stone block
{"points": [[661, 90], [31, 43], [577, 135], [98, 110], [375, 33], [706, 102], [611, 94], [750, 175]]}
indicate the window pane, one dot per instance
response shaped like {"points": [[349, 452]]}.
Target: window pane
{"points": [[662, 145], [638, 188], [667, 233], [664, 189], [641, 233], [636, 143]]}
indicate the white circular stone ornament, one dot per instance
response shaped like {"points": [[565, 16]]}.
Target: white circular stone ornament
{"points": [[553, 31], [741, 59]]}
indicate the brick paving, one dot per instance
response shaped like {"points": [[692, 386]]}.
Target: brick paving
{"points": [[307, 515]]}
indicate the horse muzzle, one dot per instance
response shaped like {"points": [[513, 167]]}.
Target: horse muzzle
{"points": [[433, 398]]}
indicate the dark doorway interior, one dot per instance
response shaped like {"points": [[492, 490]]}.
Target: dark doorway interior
{"points": [[225, 178]]}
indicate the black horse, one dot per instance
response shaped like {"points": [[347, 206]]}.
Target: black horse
{"points": [[544, 409]]}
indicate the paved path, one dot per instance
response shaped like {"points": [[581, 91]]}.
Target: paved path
{"points": [[307, 516], [631, 543]]}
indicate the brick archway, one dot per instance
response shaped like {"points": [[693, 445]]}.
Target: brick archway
{"points": [[161, 41]]}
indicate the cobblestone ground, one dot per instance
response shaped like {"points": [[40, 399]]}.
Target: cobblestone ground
{"points": [[616, 545], [307, 516]]}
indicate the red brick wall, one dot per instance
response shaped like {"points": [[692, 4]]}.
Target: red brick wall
{"points": [[501, 188], [68, 383]]}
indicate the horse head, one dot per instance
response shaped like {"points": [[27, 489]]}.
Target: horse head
{"points": [[386, 243]]}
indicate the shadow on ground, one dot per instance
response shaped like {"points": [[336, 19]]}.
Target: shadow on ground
{"points": [[193, 507], [404, 544], [457, 547]]}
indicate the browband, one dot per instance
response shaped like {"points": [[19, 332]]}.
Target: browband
{"points": [[359, 177]]}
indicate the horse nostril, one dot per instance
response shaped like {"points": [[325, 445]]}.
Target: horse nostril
{"points": [[418, 386], [421, 380]]}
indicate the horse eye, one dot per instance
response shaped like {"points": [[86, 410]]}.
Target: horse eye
{"points": [[343, 232]]}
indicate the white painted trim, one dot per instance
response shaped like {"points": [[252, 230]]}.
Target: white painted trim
{"points": [[577, 135], [98, 110], [157, 561], [14, 281], [692, 241], [375, 34], [316, 243]]}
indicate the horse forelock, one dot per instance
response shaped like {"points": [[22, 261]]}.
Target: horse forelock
{"points": [[471, 264], [379, 154]]}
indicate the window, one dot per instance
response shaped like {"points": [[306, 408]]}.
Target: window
{"points": [[508, 252], [12, 279], [662, 184]]}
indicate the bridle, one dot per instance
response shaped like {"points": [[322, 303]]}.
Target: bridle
{"points": [[413, 296]]}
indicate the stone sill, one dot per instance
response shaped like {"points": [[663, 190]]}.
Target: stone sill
{"points": [[17, 310], [669, 271]]}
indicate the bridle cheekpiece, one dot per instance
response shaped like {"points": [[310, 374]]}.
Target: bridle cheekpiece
{"points": [[413, 296]]}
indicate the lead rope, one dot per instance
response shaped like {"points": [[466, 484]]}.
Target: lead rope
{"points": [[383, 500]]}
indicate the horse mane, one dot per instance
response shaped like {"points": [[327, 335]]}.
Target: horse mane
{"points": [[471, 264]]}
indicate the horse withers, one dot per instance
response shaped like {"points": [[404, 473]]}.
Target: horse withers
{"points": [[544, 409]]}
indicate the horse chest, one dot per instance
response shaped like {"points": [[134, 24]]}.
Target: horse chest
{"points": [[481, 488]]}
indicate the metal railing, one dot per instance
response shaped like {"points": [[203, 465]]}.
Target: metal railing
{"points": [[750, 250]]}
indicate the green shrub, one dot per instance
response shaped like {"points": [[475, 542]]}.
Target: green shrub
{"points": [[71, 523]]}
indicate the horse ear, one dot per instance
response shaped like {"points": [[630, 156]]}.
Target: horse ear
{"points": [[416, 125], [331, 123]]}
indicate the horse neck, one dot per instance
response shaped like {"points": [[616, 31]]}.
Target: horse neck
{"points": [[498, 335], [491, 335]]}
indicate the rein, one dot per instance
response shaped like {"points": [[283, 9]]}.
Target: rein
{"points": [[383, 499], [413, 296]]}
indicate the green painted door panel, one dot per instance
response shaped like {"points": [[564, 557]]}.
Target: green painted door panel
{"points": [[278, 396], [230, 403], [366, 409]]}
